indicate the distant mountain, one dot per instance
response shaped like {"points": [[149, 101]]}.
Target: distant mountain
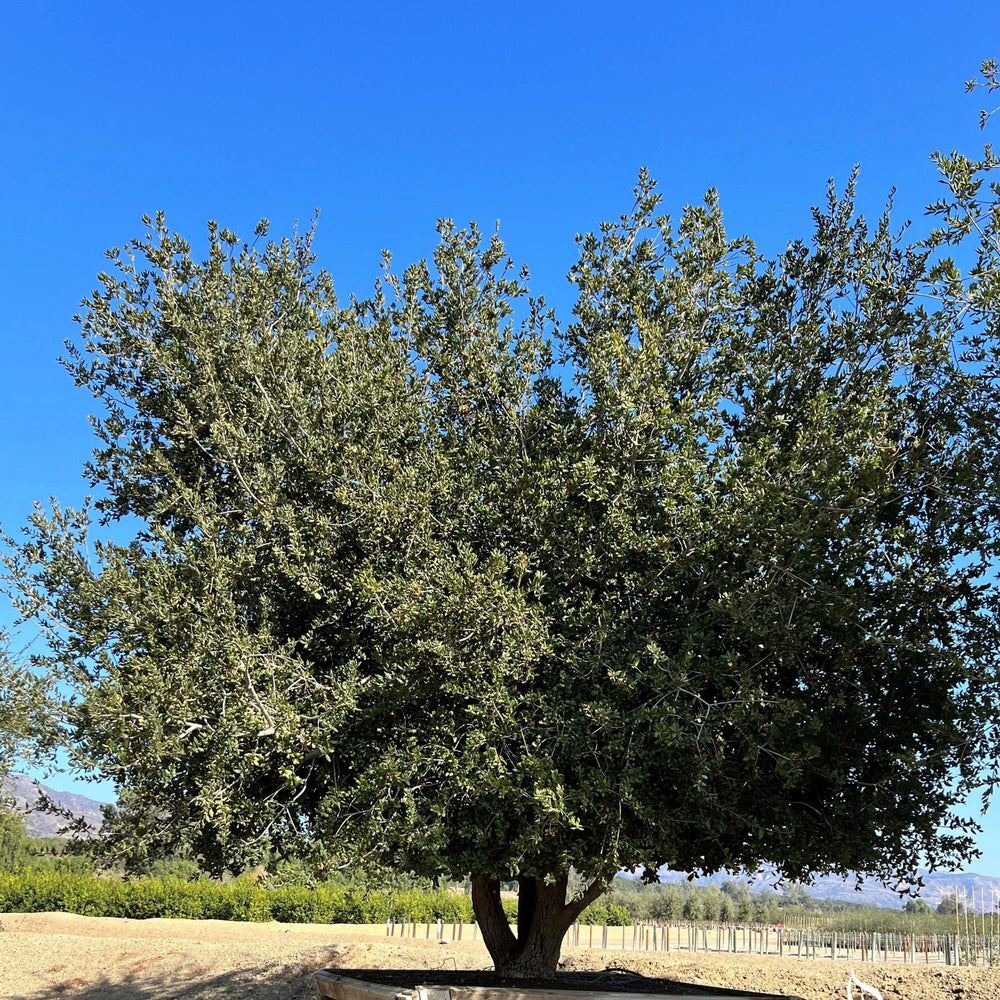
{"points": [[26, 792], [983, 889]]}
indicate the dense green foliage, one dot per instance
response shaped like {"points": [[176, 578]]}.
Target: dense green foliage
{"points": [[733, 902], [30, 890], [391, 596], [702, 577], [35, 890], [950, 904], [15, 846], [57, 854]]}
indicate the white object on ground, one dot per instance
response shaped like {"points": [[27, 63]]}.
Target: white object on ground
{"points": [[864, 987]]}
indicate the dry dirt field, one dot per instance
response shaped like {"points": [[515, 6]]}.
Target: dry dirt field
{"points": [[48, 955]]}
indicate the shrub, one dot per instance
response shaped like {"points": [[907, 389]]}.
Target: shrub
{"points": [[296, 904], [34, 890], [247, 902]]}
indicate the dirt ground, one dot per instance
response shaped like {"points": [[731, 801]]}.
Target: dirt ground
{"points": [[48, 955]]}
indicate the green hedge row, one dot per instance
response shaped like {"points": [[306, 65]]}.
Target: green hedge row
{"points": [[37, 891], [32, 891], [606, 913]]}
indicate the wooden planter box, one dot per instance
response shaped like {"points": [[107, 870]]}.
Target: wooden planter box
{"points": [[364, 984]]}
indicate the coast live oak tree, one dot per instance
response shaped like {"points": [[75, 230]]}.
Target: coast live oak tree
{"points": [[702, 578]]}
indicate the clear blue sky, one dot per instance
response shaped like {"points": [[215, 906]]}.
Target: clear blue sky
{"points": [[386, 116]]}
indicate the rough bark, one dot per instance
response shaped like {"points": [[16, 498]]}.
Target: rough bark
{"points": [[543, 917]]}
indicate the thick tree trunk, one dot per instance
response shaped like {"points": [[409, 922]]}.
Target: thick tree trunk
{"points": [[543, 917]]}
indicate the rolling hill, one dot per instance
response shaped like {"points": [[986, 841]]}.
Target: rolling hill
{"points": [[26, 792]]}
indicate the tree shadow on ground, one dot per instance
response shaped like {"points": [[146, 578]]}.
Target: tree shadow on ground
{"points": [[173, 973], [187, 980], [289, 979]]}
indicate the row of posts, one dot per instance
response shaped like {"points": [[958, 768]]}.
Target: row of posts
{"points": [[412, 929], [864, 946]]}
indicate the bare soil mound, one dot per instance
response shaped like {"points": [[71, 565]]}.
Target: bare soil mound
{"points": [[44, 956]]}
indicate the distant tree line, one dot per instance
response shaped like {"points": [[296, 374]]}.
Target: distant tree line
{"points": [[734, 901], [297, 891]]}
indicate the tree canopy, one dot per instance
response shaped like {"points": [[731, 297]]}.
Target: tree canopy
{"points": [[27, 720], [949, 904], [701, 577]]}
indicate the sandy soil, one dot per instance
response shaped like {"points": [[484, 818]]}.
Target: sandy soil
{"points": [[49, 955]]}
